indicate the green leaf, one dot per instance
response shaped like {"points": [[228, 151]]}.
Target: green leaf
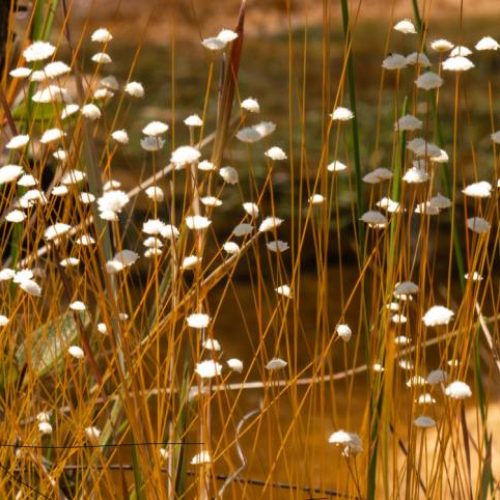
{"points": [[50, 343]]}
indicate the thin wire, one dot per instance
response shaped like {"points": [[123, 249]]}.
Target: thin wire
{"points": [[105, 445]]}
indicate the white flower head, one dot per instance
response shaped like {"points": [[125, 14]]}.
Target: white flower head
{"points": [[480, 189], [270, 223], [394, 62], [56, 230], [193, 121], [38, 51], [438, 315], [316, 199], [478, 225], [342, 114], [69, 110], [155, 128], [152, 144], [251, 105], [20, 72], [441, 45], [112, 202], [76, 352], [487, 43], [208, 369], [197, 222], [344, 332], [155, 193], [134, 89], [405, 26], [418, 59], [408, 122], [424, 422], [458, 390], [91, 112], [18, 142], [231, 248], [201, 458], [284, 290], [212, 345], [77, 305], [429, 81], [277, 246], [229, 175], [349, 441], [374, 219], [336, 166], [185, 155], [15, 216], [276, 153], [101, 58], [52, 93], [243, 229], [457, 64], [120, 136], [101, 35], [235, 364], [460, 50], [251, 209], [56, 69], [276, 364]]}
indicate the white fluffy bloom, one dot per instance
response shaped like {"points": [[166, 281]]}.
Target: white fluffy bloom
{"points": [[441, 45], [229, 175], [405, 26], [480, 189], [73, 177], [31, 287], [102, 328], [457, 63], [155, 128], [78, 305], [270, 223], [52, 93], [170, 232], [51, 135], [276, 364], [336, 166], [415, 175], [487, 43], [101, 58], [120, 136], [190, 262], [20, 72], [316, 199], [418, 58], [231, 247], [102, 94], [15, 216], [441, 202], [243, 229], [101, 35], [284, 290], [69, 262], [458, 390], [27, 180], [45, 428], [197, 222], [59, 191], [342, 114], [251, 105], [121, 260], [390, 205], [344, 332], [85, 240], [56, 69], [211, 201], [276, 153], [193, 121], [134, 89], [460, 50], [429, 81], [405, 288], [349, 441], [4, 321], [251, 209], [277, 246], [56, 230], [185, 155], [426, 208], [424, 422], [478, 225], [76, 352], [155, 193], [374, 219], [91, 112], [92, 432], [112, 203], [408, 122], [201, 458], [208, 369], [235, 364], [394, 62], [206, 166], [152, 143], [153, 227], [69, 110], [38, 51], [18, 142], [212, 345], [438, 315], [378, 175]]}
